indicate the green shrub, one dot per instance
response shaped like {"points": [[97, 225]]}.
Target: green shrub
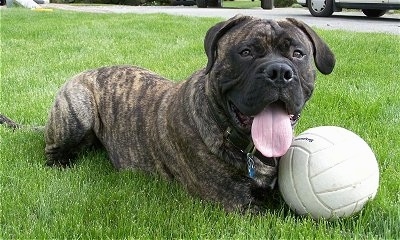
{"points": [[283, 3], [121, 2]]}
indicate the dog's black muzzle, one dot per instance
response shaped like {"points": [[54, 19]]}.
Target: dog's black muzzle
{"points": [[279, 74]]}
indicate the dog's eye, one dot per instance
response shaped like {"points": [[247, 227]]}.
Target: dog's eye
{"points": [[245, 52], [298, 54]]}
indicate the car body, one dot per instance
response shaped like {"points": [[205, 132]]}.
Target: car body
{"points": [[371, 8]]}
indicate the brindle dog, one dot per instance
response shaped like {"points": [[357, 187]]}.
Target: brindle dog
{"points": [[220, 133]]}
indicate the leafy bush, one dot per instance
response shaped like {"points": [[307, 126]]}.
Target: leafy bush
{"points": [[277, 3], [283, 3], [121, 2]]}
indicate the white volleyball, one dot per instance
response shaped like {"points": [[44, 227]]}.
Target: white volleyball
{"points": [[328, 172]]}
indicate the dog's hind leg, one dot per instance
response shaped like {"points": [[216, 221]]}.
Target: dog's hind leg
{"points": [[70, 125]]}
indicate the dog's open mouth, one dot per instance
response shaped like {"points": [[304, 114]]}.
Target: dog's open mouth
{"points": [[241, 120], [245, 121], [271, 129]]}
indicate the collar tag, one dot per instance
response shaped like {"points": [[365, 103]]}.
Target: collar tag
{"points": [[250, 165], [246, 146]]}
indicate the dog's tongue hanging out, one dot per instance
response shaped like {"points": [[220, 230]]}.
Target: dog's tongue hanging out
{"points": [[272, 131]]}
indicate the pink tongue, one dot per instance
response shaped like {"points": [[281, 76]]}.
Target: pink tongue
{"points": [[272, 131]]}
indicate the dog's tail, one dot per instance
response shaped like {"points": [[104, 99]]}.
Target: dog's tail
{"points": [[11, 124]]}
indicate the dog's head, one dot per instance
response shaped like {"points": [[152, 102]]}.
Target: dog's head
{"points": [[261, 75]]}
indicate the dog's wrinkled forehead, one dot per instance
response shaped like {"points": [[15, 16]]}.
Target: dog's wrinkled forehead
{"points": [[266, 33], [238, 30]]}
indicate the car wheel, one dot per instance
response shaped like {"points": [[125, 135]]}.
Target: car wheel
{"points": [[215, 3], [267, 4], [373, 12], [201, 3], [320, 8]]}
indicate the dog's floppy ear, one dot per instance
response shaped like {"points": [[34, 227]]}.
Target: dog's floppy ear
{"points": [[215, 33], [323, 56]]}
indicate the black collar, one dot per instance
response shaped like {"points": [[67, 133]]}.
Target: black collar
{"points": [[246, 146]]}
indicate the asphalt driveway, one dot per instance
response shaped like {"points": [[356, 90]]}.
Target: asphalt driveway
{"points": [[352, 21]]}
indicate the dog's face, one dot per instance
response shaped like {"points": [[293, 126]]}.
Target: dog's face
{"points": [[263, 71]]}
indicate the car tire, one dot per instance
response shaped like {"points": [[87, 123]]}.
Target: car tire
{"points": [[320, 8], [373, 12], [267, 4], [201, 3], [215, 3]]}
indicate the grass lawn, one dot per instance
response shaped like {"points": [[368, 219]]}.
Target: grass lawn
{"points": [[41, 50], [242, 4]]}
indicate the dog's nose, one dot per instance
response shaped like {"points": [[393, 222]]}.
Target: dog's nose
{"points": [[279, 73]]}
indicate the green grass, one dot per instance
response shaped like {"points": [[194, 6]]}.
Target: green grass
{"points": [[243, 4], [41, 50]]}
